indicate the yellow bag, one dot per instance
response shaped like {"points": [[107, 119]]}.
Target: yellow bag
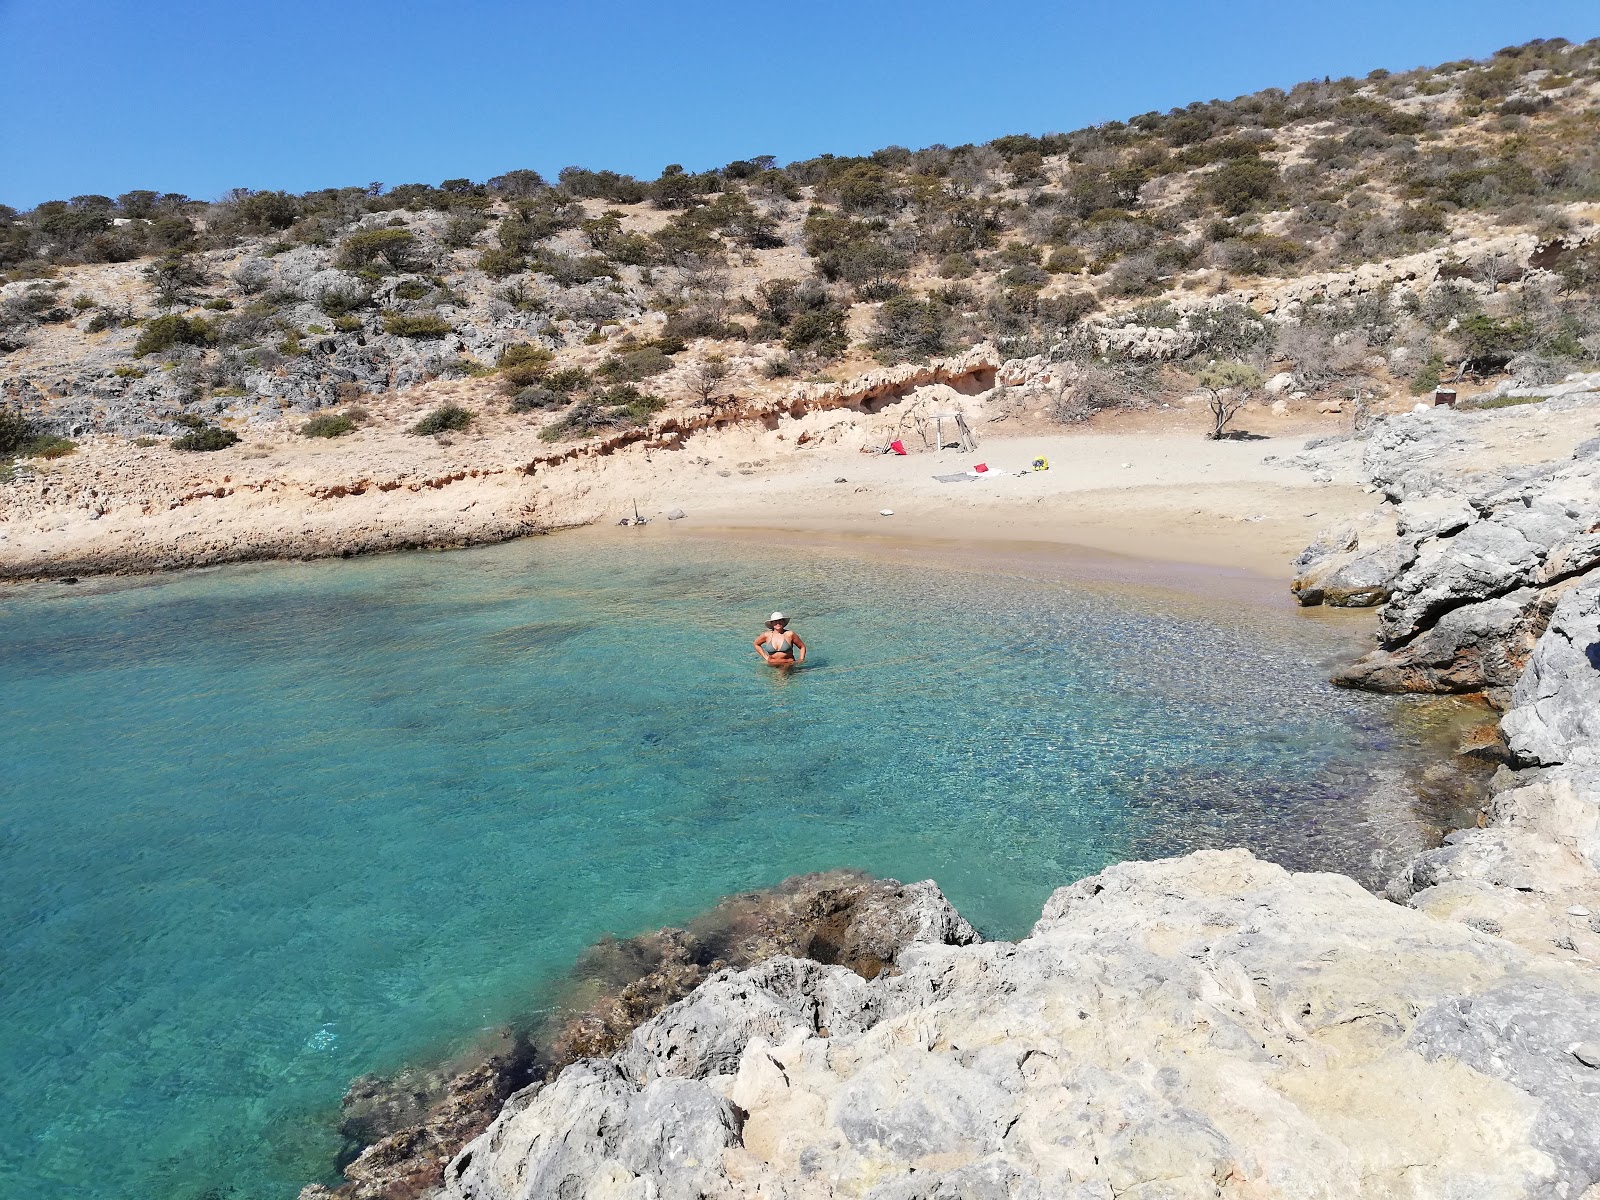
{"points": [[1041, 464]]}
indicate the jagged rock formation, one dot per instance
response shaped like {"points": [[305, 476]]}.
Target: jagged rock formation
{"points": [[1556, 720], [1468, 566], [1533, 875], [1203, 1026], [407, 1125]]}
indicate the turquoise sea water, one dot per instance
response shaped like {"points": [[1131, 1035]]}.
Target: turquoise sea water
{"points": [[268, 828]]}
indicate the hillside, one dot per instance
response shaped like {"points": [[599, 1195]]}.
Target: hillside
{"points": [[1349, 243]]}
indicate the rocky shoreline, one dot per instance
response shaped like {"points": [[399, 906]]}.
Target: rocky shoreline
{"points": [[402, 1129], [1210, 1025]]}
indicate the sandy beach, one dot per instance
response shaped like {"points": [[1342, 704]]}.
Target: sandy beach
{"points": [[1145, 484]]}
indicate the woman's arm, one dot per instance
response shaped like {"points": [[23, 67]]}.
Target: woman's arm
{"points": [[760, 648], [798, 641]]}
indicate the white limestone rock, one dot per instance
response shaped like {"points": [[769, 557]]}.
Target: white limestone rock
{"points": [[1202, 1026]]}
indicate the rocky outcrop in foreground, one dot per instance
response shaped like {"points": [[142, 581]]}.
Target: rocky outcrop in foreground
{"points": [[1198, 1027], [406, 1126]]}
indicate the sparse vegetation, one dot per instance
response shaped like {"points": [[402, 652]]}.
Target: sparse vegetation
{"points": [[205, 437], [163, 333], [447, 418], [522, 366], [1113, 249], [328, 425], [414, 325], [49, 445]]}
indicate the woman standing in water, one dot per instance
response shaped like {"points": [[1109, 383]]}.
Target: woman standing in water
{"points": [[778, 645]]}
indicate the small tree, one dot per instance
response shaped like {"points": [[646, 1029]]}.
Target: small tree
{"points": [[707, 376], [1229, 387], [174, 278]]}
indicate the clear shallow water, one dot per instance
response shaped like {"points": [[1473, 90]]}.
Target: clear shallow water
{"points": [[265, 829]]}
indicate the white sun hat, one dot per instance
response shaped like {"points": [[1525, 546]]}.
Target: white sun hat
{"points": [[776, 617]]}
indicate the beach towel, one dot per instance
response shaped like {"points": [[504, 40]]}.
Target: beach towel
{"points": [[958, 477]]}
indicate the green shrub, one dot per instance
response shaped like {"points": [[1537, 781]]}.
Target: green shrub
{"points": [[174, 279], [347, 324], [620, 407], [265, 212], [567, 380], [162, 333], [1065, 260], [958, 266], [1237, 185], [631, 366], [537, 398], [220, 305], [522, 366], [1261, 253], [414, 325], [909, 328], [49, 445], [498, 263], [341, 301], [204, 437], [412, 289], [463, 229], [1428, 375], [1484, 336], [628, 404], [447, 418], [327, 425], [632, 249], [375, 249], [16, 431], [819, 331], [127, 372]]}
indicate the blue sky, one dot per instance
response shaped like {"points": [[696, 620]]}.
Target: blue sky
{"points": [[198, 96]]}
